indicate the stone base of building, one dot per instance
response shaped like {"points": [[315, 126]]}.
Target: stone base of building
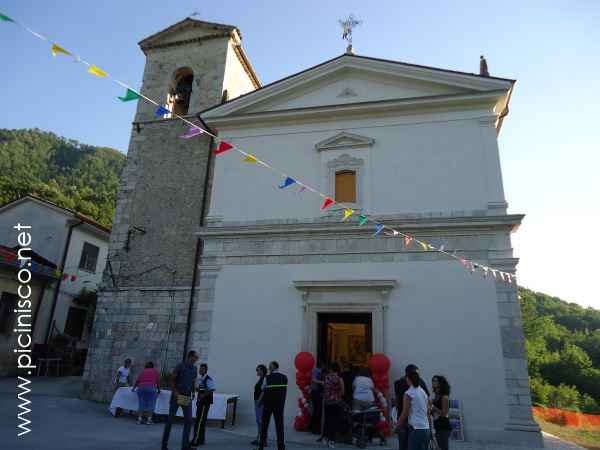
{"points": [[144, 324]]}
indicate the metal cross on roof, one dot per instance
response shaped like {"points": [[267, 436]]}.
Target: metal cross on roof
{"points": [[347, 26]]}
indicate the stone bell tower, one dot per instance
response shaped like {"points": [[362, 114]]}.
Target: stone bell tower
{"points": [[151, 289]]}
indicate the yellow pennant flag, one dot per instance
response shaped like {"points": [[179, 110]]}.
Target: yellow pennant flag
{"points": [[347, 213], [250, 159], [95, 70], [56, 49], [424, 245]]}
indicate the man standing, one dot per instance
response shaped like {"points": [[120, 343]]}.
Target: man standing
{"points": [[400, 388], [273, 399], [206, 387], [182, 382]]}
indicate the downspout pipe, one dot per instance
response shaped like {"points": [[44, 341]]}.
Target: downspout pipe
{"points": [[199, 241], [59, 282]]}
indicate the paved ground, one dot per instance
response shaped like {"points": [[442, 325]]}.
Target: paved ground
{"points": [[65, 423]]}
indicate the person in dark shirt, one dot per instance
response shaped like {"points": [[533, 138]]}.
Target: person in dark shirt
{"points": [[400, 387], [182, 383], [261, 373], [273, 399], [206, 389]]}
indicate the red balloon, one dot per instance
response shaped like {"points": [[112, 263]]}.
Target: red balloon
{"points": [[379, 364], [304, 362]]}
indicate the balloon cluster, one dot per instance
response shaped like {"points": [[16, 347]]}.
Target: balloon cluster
{"points": [[304, 363], [379, 364]]}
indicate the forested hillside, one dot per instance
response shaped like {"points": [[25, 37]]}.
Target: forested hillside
{"points": [[563, 346], [73, 175]]}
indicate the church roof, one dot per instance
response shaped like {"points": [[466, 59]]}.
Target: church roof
{"points": [[463, 83], [188, 21]]}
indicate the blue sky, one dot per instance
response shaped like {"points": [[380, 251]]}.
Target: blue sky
{"points": [[549, 145]]}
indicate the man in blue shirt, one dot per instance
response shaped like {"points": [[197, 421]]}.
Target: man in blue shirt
{"points": [[206, 387], [182, 383]]}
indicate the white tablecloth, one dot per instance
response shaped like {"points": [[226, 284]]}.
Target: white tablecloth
{"points": [[126, 399]]}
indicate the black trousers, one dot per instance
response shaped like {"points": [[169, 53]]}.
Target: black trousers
{"points": [[277, 412], [403, 432], [333, 416], [202, 408], [315, 420]]}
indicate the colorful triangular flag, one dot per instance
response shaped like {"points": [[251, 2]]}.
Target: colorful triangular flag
{"points": [[485, 271], [362, 219], [250, 159], [392, 233], [287, 182], [347, 213], [327, 203], [56, 49], [223, 147], [4, 18], [95, 70], [192, 132], [378, 228], [502, 276], [129, 96], [161, 111], [301, 190], [407, 240], [424, 245]]}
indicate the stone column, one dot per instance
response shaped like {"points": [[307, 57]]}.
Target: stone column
{"points": [[520, 423]]}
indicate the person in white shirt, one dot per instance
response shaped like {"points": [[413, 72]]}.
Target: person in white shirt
{"points": [[363, 390], [122, 378], [416, 408]]}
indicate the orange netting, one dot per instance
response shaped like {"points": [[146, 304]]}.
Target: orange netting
{"points": [[571, 419]]}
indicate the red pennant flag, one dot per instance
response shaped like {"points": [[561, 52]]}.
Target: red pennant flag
{"points": [[327, 203], [223, 147], [73, 277], [65, 276]]}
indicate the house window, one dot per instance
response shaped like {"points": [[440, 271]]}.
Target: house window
{"points": [[8, 303], [75, 322], [345, 186], [89, 257], [179, 95]]}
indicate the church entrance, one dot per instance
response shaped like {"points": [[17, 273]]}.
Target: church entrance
{"points": [[345, 338]]}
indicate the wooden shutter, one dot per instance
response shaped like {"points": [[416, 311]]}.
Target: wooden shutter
{"points": [[345, 186]]}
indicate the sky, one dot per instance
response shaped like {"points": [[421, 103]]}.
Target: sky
{"points": [[549, 144]]}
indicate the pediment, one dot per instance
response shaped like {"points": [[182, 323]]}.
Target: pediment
{"points": [[185, 31], [344, 140], [350, 79]]}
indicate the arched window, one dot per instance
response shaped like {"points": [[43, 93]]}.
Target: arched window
{"points": [[181, 91], [345, 186]]}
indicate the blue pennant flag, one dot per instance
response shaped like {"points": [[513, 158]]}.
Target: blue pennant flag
{"points": [[378, 229], [161, 111], [287, 182]]}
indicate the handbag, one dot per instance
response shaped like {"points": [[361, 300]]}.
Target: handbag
{"points": [[183, 400]]}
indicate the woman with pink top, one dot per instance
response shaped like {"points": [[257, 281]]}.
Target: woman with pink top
{"points": [[147, 386]]}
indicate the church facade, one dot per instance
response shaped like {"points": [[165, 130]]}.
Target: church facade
{"points": [[272, 274]]}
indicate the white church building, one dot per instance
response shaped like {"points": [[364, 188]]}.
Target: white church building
{"points": [[415, 147]]}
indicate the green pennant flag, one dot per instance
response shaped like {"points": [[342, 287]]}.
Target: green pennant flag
{"points": [[129, 95], [362, 219], [5, 18]]}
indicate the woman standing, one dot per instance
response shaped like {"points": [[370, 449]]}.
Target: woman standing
{"points": [[416, 409], [441, 405], [147, 386], [333, 396], [261, 373]]}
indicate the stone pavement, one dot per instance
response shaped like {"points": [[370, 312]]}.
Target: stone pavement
{"points": [[64, 423]]}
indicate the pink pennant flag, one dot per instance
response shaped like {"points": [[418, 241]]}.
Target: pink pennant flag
{"points": [[327, 203], [192, 132], [301, 190], [407, 240]]}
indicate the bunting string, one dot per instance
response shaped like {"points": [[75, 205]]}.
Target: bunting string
{"points": [[288, 180]]}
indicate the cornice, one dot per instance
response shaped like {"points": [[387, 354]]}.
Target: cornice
{"points": [[481, 223], [366, 109]]}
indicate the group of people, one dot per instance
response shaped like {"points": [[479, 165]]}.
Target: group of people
{"points": [[421, 417], [185, 380]]}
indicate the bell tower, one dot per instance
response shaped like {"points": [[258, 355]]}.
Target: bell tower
{"points": [[151, 281]]}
